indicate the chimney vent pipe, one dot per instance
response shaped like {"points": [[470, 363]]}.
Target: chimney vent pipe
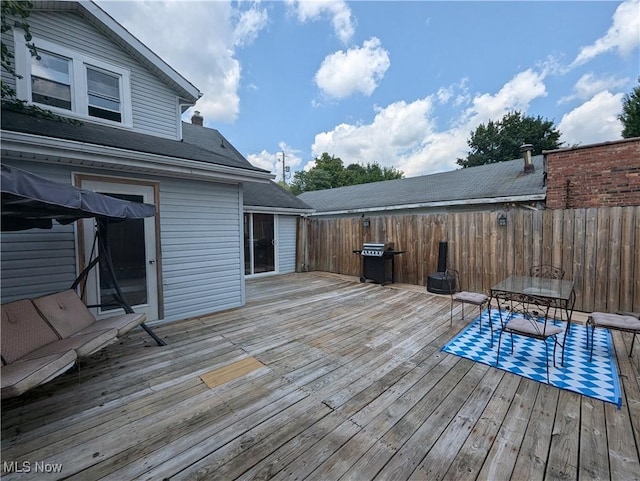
{"points": [[526, 153]]}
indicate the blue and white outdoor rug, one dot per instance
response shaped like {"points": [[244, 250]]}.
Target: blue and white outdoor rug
{"points": [[597, 379]]}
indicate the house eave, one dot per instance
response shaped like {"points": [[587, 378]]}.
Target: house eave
{"points": [[259, 209], [188, 91], [444, 203], [31, 147]]}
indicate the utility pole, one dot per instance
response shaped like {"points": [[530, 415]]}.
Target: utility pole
{"points": [[284, 177]]}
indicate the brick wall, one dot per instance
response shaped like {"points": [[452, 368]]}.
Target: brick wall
{"points": [[599, 175]]}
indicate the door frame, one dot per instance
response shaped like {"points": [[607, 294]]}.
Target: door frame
{"points": [[82, 180], [276, 260]]}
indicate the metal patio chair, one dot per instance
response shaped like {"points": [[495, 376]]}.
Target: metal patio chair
{"points": [[529, 317], [622, 321], [464, 297], [547, 271]]}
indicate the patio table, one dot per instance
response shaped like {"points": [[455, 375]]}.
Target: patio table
{"points": [[518, 289], [534, 298]]}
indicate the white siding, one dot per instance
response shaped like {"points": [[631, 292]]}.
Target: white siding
{"points": [[38, 261], [287, 228], [201, 243], [154, 103]]}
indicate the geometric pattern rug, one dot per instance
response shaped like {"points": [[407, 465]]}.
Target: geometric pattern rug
{"points": [[597, 379]]}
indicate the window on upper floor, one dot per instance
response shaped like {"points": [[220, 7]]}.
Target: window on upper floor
{"points": [[50, 80], [103, 92], [71, 83]]}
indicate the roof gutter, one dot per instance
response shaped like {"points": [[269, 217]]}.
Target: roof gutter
{"points": [[48, 149], [258, 209], [442, 203]]}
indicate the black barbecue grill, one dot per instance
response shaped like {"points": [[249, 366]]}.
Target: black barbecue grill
{"points": [[378, 264]]}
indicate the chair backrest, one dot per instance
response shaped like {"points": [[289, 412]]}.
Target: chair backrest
{"points": [[453, 280], [23, 330], [537, 309], [547, 271], [65, 311], [529, 309]]}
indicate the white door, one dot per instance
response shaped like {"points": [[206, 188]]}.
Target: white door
{"points": [[133, 251]]}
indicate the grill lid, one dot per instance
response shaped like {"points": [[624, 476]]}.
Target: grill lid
{"points": [[375, 248]]}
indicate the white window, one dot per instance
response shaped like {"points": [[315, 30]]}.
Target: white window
{"points": [[73, 84], [103, 93], [51, 80]]}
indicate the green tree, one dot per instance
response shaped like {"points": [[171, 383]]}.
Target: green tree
{"points": [[312, 180], [372, 172], [501, 141], [329, 172], [14, 14], [630, 116]]}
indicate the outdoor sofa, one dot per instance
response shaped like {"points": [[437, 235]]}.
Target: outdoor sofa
{"points": [[42, 338]]}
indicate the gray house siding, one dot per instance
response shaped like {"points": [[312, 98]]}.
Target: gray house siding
{"points": [[37, 262], [201, 247], [287, 229], [154, 104]]}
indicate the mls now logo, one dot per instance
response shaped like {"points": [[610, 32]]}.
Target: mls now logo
{"points": [[29, 467]]}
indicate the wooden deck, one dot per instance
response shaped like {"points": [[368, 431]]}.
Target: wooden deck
{"points": [[318, 377]]}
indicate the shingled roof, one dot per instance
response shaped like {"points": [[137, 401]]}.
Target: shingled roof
{"points": [[256, 194], [270, 194], [98, 134], [491, 183]]}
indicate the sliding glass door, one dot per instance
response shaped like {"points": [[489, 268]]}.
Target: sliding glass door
{"points": [[259, 243]]}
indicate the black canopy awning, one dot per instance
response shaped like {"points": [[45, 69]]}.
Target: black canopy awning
{"points": [[29, 201]]}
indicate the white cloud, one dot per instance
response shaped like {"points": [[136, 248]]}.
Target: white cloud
{"points": [[264, 160], [516, 94], [438, 153], [250, 23], [404, 135], [594, 121], [397, 132], [358, 70], [588, 85], [338, 10], [444, 94], [623, 35], [198, 42]]}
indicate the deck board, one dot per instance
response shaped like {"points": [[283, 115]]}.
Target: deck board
{"points": [[322, 378]]}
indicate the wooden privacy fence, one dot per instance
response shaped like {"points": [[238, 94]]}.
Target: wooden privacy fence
{"points": [[598, 248]]}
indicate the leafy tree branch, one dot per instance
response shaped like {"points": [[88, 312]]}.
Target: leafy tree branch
{"points": [[630, 116], [329, 172], [500, 141]]}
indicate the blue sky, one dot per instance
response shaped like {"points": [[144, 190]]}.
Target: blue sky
{"points": [[398, 83]]}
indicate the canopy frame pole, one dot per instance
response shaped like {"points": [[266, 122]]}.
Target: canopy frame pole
{"points": [[104, 253]]}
